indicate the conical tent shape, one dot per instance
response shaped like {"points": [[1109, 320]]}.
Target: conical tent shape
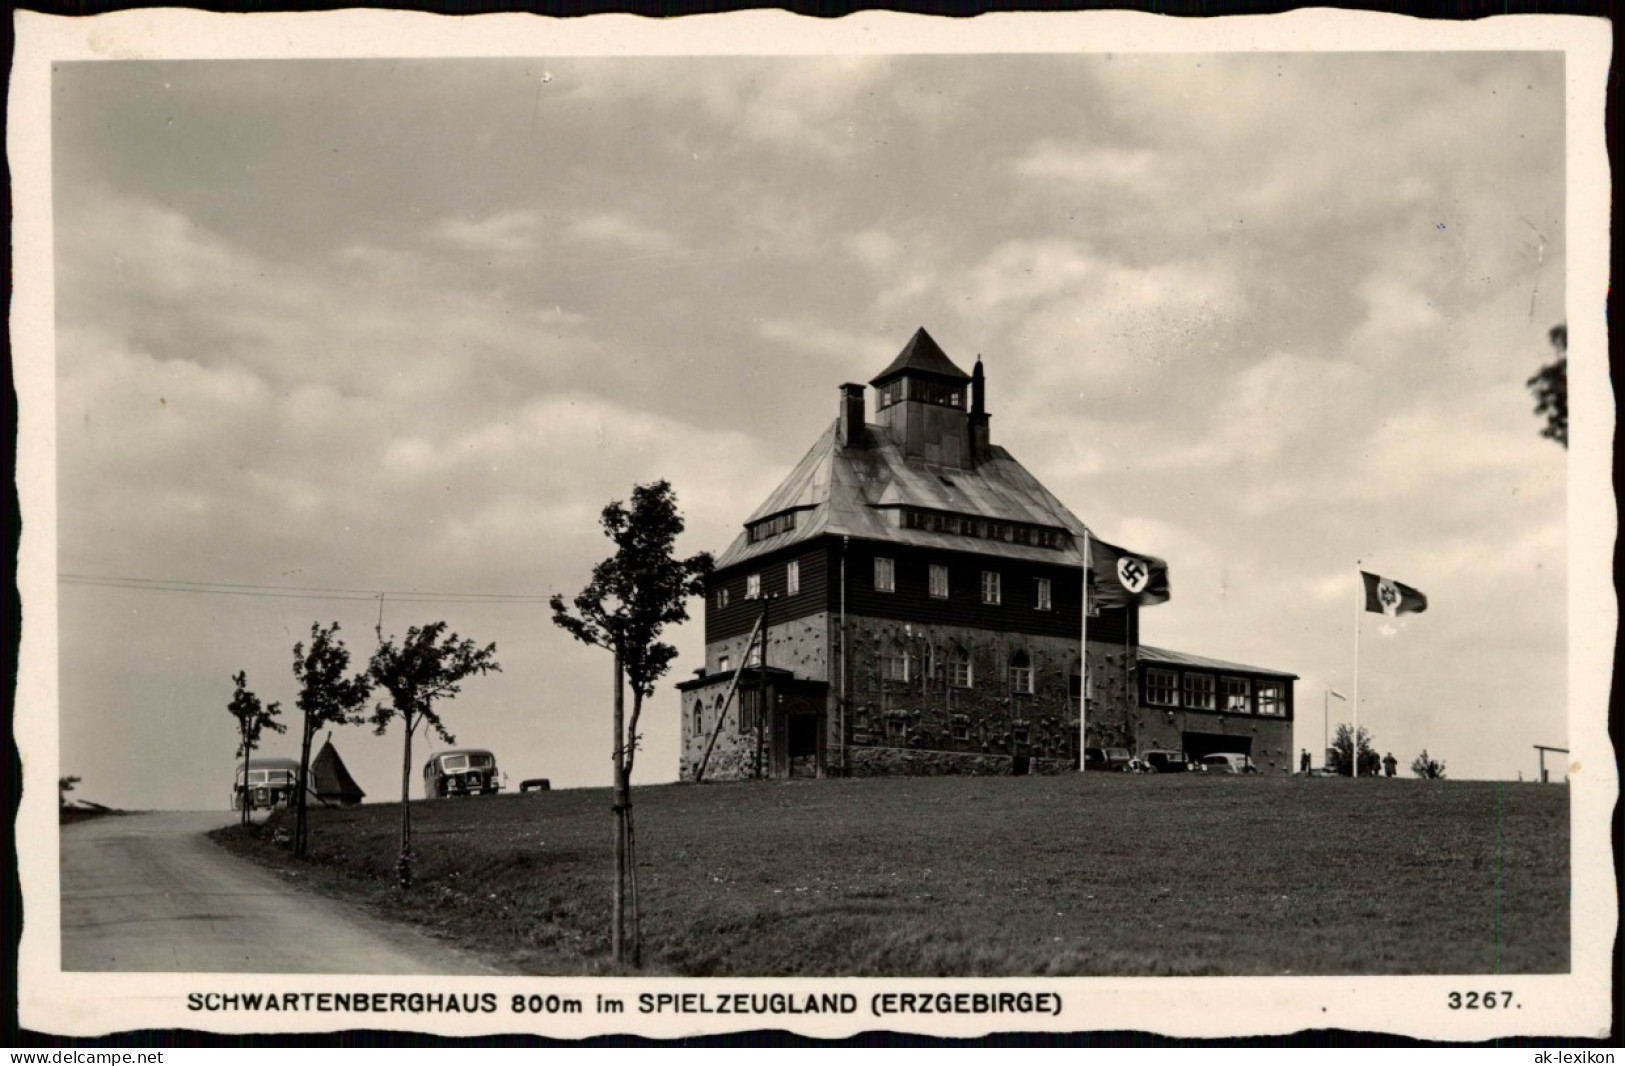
{"points": [[332, 782]]}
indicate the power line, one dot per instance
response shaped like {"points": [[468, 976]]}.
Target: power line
{"points": [[227, 588]]}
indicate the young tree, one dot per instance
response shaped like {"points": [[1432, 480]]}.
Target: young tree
{"points": [[1551, 388], [632, 597], [253, 718], [64, 785], [327, 697], [1424, 766], [1370, 761], [428, 666]]}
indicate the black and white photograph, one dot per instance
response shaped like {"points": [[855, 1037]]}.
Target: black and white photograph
{"points": [[753, 523]]}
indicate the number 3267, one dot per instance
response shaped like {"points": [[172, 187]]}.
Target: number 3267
{"points": [[1480, 1000]]}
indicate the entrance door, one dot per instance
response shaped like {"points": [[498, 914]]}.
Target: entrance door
{"points": [[1200, 744], [802, 744]]}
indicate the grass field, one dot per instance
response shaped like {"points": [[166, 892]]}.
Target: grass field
{"points": [[1080, 874]]}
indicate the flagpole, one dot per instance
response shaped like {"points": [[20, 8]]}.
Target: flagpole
{"points": [[1083, 661], [1359, 609]]}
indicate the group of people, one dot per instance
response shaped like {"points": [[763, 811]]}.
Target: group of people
{"points": [[1390, 765]]}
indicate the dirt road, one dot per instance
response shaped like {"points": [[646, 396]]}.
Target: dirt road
{"points": [[150, 893]]}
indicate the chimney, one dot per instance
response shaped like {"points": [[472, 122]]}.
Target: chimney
{"points": [[851, 428], [979, 443]]}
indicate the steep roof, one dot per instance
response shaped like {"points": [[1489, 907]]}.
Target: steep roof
{"points": [[1180, 658], [332, 777], [856, 492], [921, 355]]}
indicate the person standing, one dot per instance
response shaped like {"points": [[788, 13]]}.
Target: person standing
{"points": [[1389, 764], [1303, 762]]}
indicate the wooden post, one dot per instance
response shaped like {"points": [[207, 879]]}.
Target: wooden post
{"points": [[722, 715]]}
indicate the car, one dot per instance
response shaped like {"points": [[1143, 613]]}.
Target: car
{"points": [[461, 772], [1228, 762], [272, 784], [1165, 762], [1114, 759]]}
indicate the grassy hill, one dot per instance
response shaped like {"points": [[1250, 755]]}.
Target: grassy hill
{"points": [[1081, 874]]}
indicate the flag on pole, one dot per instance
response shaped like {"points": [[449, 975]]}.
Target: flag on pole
{"points": [[1123, 577], [1384, 595]]}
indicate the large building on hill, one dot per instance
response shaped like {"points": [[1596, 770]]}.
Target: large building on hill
{"points": [[910, 600]]}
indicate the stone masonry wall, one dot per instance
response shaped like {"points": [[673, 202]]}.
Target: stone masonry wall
{"points": [[800, 645], [984, 722]]}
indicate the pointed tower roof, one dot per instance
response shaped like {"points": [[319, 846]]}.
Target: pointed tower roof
{"points": [[921, 355]]}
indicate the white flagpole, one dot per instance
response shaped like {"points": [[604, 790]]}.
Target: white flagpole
{"points": [[1359, 609], [1083, 661]]}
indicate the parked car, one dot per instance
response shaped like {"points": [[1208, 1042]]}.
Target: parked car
{"points": [[461, 772], [1165, 762], [1228, 762], [271, 784], [1114, 759]]}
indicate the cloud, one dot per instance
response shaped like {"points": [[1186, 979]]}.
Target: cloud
{"points": [[506, 233]]}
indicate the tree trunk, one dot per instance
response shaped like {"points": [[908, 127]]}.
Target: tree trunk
{"points": [[300, 826], [617, 925], [403, 865], [246, 818]]}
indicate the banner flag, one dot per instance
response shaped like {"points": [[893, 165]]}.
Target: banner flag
{"points": [[1386, 596], [1123, 577]]}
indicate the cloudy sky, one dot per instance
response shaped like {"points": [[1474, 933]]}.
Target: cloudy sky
{"points": [[405, 326]]}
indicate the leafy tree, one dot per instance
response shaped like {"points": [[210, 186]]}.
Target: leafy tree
{"points": [[1551, 388], [429, 665], [64, 785], [327, 697], [632, 597], [1426, 767], [253, 718], [1370, 761]]}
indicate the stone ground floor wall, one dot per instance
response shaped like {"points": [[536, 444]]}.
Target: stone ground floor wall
{"points": [[926, 724], [874, 761], [991, 717]]}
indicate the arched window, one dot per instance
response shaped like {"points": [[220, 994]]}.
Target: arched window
{"points": [[1021, 673], [930, 665], [894, 663], [959, 671]]}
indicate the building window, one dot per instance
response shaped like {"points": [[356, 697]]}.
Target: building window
{"points": [[753, 587], [1041, 595], [885, 576], [1199, 692], [753, 654], [1076, 684], [959, 672], [699, 717], [750, 709], [723, 662], [1161, 687], [896, 728], [990, 586], [792, 578], [1271, 698], [939, 581], [894, 664], [1021, 734], [929, 666], [1236, 691], [722, 597], [1021, 674], [959, 727]]}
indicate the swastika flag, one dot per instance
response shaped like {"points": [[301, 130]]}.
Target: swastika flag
{"points": [[1387, 596], [1123, 577]]}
